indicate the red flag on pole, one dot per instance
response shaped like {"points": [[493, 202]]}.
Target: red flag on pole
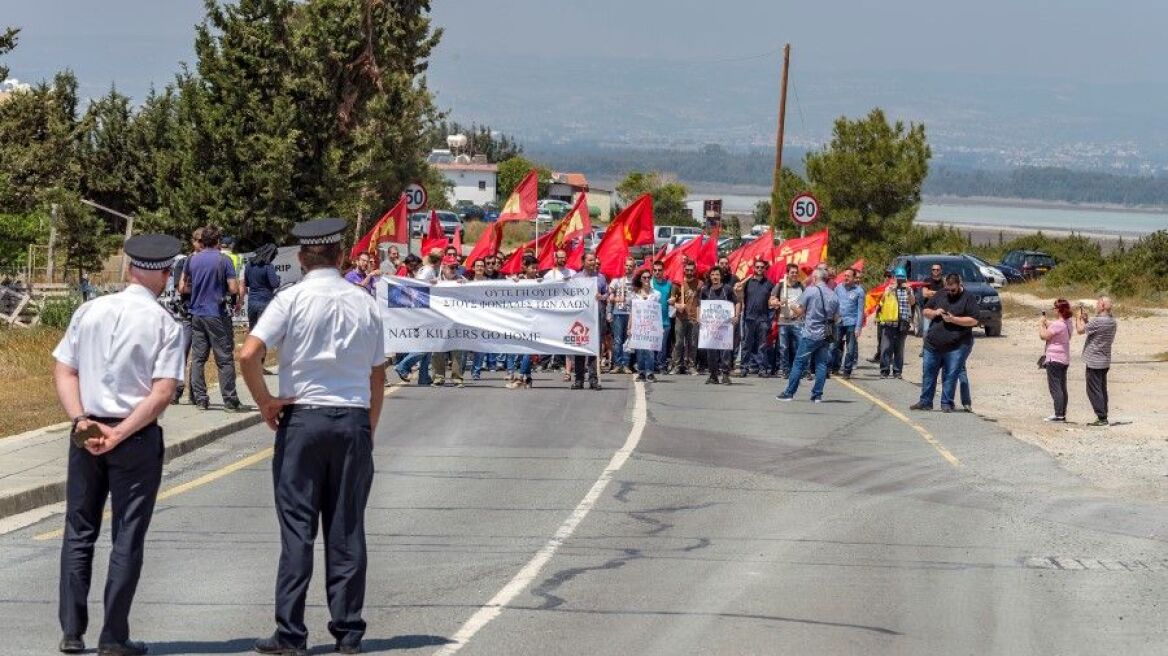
{"points": [[632, 227], [458, 240], [393, 227], [675, 261], [488, 243], [742, 258], [807, 252], [576, 224], [523, 200], [708, 257], [435, 237]]}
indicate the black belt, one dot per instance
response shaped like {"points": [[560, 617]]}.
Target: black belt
{"points": [[114, 421]]}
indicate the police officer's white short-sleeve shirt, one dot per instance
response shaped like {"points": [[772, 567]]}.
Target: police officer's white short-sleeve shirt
{"points": [[329, 335], [119, 345]]}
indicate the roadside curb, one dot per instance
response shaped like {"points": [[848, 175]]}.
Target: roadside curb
{"points": [[54, 492]]}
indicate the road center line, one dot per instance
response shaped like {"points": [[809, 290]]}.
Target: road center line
{"points": [[493, 608], [928, 437], [209, 477]]}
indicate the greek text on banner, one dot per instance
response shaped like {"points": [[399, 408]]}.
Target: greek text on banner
{"points": [[495, 316]]}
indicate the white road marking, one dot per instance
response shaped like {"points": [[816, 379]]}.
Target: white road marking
{"points": [[531, 570]]}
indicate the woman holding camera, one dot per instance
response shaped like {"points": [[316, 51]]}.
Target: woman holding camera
{"points": [[1057, 355]]}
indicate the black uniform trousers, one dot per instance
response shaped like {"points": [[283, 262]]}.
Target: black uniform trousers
{"points": [[322, 469], [129, 475]]}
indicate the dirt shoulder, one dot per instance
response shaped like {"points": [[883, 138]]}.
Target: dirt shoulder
{"points": [[1130, 457]]}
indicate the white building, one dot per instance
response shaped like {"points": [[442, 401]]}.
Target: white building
{"points": [[472, 182]]}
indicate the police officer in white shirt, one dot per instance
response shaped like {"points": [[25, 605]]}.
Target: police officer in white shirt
{"points": [[332, 374], [116, 371]]}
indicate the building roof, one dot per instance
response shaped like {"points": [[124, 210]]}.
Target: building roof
{"points": [[574, 180], [457, 166]]}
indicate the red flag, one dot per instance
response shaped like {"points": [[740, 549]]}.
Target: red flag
{"points": [[676, 259], [514, 264], [632, 227], [488, 243], [576, 224], [742, 259], [393, 226], [576, 257], [807, 252], [458, 240], [435, 237], [523, 200], [638, 223], [858, 265], [708, 257]]}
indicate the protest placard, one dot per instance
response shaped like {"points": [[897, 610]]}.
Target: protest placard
{"points": [[645, 329], [716, 330]]}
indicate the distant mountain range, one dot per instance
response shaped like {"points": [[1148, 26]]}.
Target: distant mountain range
{"points": [[987, 122]]}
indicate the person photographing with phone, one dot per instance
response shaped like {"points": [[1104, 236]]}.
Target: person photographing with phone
{"points": [[1057, 355], [952, 315]]}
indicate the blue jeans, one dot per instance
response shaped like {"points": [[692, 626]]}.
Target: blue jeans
{"points": [[813, 352], [422, 360], [949, 364], [846, 349], [479, 360], [620, 326], [645, 361], [788, 346]]}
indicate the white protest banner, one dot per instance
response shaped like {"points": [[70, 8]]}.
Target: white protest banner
{"points": [[645, 329], [716, 330], [494, 316]]}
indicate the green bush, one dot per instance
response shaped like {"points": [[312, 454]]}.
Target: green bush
{"points": [[57, 312]]}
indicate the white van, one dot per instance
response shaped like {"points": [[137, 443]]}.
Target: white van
{"points": [[666, 232]]}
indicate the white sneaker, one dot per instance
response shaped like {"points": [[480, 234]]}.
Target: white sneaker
{"points": [[1054, 418]]}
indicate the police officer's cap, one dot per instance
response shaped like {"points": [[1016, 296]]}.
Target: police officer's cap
{"points": [[152, 252], [319, 231]]}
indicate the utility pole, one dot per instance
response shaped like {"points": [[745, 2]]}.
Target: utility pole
{"points": [[52, 244], [129, 232], [779, 139]]}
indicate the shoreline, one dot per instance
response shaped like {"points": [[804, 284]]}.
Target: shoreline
{"points": [[1041, 204]]}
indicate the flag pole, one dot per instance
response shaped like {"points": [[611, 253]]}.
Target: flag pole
{"points": [[777, 185]]}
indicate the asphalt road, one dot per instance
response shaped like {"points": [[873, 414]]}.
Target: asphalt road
{"points": [[686, 519]]}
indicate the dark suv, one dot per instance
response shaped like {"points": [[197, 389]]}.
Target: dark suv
{"points": [[918, 267], [1032, 264]]}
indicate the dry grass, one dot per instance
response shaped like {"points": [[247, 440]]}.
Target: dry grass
{"points": [[515, 233], [26, 367]]}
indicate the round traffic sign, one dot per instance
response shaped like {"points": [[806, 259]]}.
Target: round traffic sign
{"points": [[416, 196], [804, 209]]}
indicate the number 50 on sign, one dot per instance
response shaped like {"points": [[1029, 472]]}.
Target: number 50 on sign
{"points": [[804, 209]]}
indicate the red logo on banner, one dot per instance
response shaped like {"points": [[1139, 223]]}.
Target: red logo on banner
{"points": [[577, 335]]}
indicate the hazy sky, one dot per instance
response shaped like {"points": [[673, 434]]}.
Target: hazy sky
{"points": [[136, 42]]}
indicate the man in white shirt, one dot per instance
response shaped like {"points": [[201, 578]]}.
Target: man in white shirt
{"points": [[561, 270], [332, 371], [117, 368]]}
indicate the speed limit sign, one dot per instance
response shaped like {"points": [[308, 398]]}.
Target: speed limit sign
{"points": [[804, 209], [416, 196]]}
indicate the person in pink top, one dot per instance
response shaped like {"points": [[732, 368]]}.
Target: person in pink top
{"points": [[1057, 335]]}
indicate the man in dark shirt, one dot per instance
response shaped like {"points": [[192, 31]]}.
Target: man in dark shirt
{"points": [[953, 315], [933, 284], [753, 297], [210, 278]]}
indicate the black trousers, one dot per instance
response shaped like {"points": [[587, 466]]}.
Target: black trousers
{"points": [[213, 334], [129, 475], [322, 470], [1056, 381], [1097, 391], [719, 361], [582, 363], [891, 341]]}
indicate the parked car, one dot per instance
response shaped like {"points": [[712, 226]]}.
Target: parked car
{"points": [[552, 209], [666, 232], [990, 303], [992, 274], [1013, 275], [490, 212], [594, 238], [1032, 264], [420, 223], [469, 212]]}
